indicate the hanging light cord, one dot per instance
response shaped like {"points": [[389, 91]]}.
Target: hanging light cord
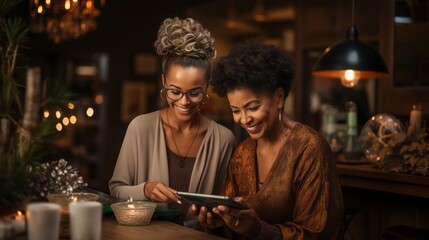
{"points": [[353, 12], [352, 32]]}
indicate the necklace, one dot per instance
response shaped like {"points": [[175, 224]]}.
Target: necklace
{"points": [[182, 159]]}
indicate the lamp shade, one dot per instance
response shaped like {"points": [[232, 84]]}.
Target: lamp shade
{"points": [[351, 54]]}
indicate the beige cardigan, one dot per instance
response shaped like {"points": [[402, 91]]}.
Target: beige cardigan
{"points": [[143, 158]]}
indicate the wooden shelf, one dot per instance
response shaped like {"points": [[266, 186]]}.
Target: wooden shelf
{"points": [[368, 176]]}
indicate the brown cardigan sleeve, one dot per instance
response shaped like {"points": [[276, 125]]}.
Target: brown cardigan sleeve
{"points": [[318, 201]]}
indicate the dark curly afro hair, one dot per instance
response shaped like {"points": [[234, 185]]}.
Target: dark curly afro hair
{"points": [[253, 65]]}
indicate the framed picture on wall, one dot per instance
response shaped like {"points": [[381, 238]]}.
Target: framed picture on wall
{"points": [[145, 64], [135, 99]]}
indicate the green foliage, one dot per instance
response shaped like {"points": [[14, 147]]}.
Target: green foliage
{"points": [[13, 179], [8, 6], [20, 149], [13, 34], [59, 95], [16, 30]]}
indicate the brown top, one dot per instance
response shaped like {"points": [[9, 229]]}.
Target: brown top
{"points": [[179, 170], [179, 173], [301, 194]]}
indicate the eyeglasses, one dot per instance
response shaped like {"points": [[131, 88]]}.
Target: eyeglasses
{"points": [[195, 96]]}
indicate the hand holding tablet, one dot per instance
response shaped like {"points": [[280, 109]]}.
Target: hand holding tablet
{"points": [[210, 201]]}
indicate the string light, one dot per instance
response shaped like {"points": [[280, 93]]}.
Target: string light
{"points": [[90, 112], [66, 121], [73, 119], [70, 106], [99, 99]]}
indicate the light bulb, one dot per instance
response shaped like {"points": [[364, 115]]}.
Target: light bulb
{"points": [[350, 78]]}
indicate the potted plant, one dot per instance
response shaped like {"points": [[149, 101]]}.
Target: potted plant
{"points": [[25, 136]]}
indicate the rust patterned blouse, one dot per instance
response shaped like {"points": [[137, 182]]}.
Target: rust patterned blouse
{"points": [[301, 194]]}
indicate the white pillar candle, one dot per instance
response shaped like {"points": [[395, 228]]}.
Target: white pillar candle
{"points": [[18, 223], [43, 221], [415, 120], [85, 220]]}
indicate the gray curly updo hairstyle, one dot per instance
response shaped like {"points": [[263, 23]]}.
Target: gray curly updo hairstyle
{"points": [[186, 43]]}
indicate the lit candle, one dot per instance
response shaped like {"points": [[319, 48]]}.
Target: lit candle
{"points": [[415, 120], [130, 200], [133, 213], [18, 223]]}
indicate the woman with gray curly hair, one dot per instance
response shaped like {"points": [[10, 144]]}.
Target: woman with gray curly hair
{"points": [[176, 148]]}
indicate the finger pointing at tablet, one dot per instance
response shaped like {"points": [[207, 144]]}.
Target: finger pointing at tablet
{"points": [[159, 192]]}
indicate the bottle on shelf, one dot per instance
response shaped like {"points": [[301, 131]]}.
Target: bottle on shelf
{"points": [[352, 151], [330, 130]]}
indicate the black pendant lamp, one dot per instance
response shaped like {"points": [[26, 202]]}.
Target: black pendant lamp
{"points": [[351, 60]]}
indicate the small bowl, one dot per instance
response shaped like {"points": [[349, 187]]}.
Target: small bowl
{"points": [[135, 213], [65, 198]]}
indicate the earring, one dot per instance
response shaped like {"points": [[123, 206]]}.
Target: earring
{"points": [[280, 115], [163, 94], [206, 98]]}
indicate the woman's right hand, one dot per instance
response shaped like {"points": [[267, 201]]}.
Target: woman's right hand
{"points": [[205, 218], [159, 192]]}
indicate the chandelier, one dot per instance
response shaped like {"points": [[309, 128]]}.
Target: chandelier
{"points": [[64, 19]]}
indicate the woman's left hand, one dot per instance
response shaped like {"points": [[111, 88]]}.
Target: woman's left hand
{"points": [[243, 221]]}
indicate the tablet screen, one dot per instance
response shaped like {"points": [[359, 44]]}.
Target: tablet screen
{"points": [[210, 201]]}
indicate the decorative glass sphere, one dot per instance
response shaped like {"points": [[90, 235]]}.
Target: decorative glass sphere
{"points": [[377, 132]]}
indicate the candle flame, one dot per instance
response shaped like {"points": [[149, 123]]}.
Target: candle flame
{"points": [[74, 199], [130, 200], [19, 215]]}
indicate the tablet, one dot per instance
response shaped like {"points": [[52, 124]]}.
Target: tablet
{"points": [[210, 201]]}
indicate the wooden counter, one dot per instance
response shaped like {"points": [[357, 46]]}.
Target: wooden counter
{"points": [[156, 230], [368, 176]]}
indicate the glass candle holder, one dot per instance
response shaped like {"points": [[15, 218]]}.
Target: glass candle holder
{"points": [[135, 213]]}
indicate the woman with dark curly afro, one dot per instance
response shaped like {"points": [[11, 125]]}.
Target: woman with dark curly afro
{"points": [[283, 174]]}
